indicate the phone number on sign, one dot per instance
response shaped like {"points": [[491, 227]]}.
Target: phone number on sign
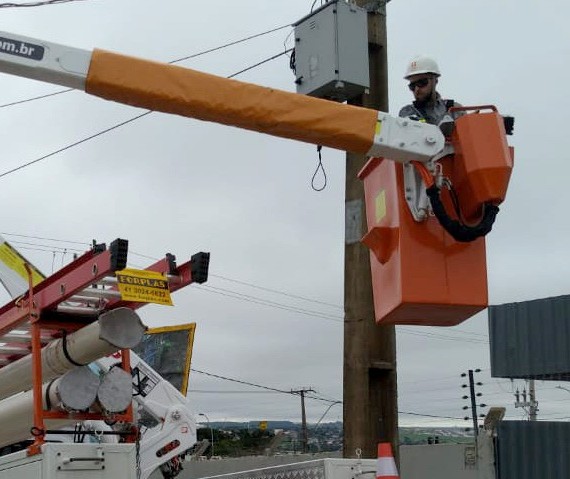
{"points": [[146, 292]]}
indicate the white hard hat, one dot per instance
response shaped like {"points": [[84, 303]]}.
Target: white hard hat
{"points": [[422, 64]]}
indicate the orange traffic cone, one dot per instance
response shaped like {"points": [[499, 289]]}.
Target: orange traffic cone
{"points": [[386, 467]]}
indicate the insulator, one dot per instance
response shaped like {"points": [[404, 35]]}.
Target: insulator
{"points": [[465, 407]]}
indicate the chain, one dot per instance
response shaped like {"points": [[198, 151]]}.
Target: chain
{"points": [[138, 451]]}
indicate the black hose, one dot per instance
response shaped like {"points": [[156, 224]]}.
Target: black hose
{"points": [[458, 230]]}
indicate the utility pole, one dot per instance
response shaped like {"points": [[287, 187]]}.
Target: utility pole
{"points": [[473, 396], [473, 407], [370, 411], [304, 434], [531, 403]]}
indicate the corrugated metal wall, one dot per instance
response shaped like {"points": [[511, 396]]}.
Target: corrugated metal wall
{"points": [[531, 339], [533, 450]]}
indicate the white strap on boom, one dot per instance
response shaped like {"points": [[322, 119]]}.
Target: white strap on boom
{"points": [[44, 61]]}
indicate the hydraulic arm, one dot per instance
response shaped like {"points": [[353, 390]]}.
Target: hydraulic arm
{"points": [[428, 209], [186, 92]]}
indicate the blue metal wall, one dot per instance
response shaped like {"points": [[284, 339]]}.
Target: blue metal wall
{"points": [[531, 339], [533, 450]]}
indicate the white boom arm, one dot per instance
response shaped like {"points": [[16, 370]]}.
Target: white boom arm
{"points": [[172, 89], [171, 431]]}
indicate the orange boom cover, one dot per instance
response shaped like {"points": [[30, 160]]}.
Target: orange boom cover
{"points": [[182, 91]]}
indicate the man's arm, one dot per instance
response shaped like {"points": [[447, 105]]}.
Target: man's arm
{"points": [[409, 111]]}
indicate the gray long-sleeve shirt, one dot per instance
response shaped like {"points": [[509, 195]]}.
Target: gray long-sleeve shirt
{"points": [[431, 112]]}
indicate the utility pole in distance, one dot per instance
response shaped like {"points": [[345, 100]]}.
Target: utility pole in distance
{"points": [[304, 434], [370, 411], [531, 403]]}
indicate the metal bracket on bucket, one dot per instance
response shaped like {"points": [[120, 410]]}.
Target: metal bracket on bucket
{"points": [[415, 189]]}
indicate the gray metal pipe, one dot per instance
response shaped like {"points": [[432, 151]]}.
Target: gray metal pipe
{"points": [[116, 329]]}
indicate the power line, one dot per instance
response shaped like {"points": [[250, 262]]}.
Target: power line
{"points": [[194, 55], [283, 391], [262, 288], [263, 302], [79, 142], [37, 98], [246, 297], [107, 130], [37, 4], [44, 238], [239, 381], [260, 63], [428, 415], [219, 391], [62, 248], [233, 294], [443, 337], [235, 42]]}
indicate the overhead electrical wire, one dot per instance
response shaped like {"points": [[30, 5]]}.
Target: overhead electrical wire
{"points": [[44, 238], [252, 299], [79, 142], [235, 42], [36, 4], [111, 128], [19, 102], [269, 290], [309, 396], [247, 383], [58, 240], [259, 63], [237, 295], [194, 55]]}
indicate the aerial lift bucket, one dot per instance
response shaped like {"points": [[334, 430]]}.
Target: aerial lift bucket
{"points": [[420, 274]]}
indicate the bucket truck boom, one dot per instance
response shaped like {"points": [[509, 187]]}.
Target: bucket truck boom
{"points": [[452, 183]]}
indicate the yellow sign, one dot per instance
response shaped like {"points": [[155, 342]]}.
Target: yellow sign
{"points": [[380, 206], [143, 286], [263, 425], [13, 274]]}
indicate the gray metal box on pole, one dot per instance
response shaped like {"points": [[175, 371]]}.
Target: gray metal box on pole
{"points": [[331, 59]]}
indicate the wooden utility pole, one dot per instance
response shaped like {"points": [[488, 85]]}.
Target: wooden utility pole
{"points": [[370, 412], [304, 433]]}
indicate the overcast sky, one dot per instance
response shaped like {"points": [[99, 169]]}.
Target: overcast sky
{"points": [[271, 312]]}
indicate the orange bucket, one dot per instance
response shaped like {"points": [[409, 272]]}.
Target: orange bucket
{"points": [[420, 274], [483, 161]]}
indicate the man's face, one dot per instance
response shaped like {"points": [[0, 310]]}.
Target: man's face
{"points": [[422, 86]]}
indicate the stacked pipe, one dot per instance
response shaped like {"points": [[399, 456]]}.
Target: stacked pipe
{"points": [[68, 383]]}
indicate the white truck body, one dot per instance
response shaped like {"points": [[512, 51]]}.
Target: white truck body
{"points": [[64, 461], [317, 469]]}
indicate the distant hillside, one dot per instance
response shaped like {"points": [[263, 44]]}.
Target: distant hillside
{"points": [[329, 435], [288, 425]]}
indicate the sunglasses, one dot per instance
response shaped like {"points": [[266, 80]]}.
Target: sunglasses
{"points": [[418, 83]]}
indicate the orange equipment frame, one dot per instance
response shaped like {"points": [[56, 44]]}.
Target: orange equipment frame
{"points": [[37, 312]]}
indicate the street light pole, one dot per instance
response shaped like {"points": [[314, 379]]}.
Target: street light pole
{"points": [[211, 432]]}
